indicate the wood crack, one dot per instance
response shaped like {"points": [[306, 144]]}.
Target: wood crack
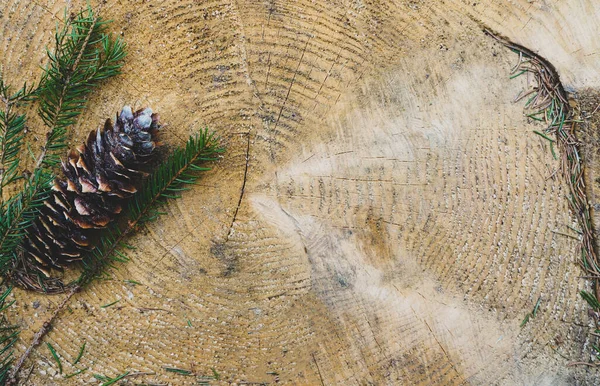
{"points": [[242, 190], [318, 370], [291, 83]]}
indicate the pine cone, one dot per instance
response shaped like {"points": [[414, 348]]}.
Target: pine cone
{"points": [[99, 176]]}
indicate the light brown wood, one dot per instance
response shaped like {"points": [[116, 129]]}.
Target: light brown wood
{"points": [[383, 215]]}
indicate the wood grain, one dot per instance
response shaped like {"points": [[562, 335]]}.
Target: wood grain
{"points": [[384, 213]]}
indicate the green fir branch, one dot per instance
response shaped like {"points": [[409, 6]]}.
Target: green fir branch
{"points": [[15, 215], [12, 133], [182, 168], [18, 213], [84, 54], [12, 127]]}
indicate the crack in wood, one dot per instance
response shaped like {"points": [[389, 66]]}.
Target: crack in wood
{"points": [[318, 369], [242, 190], [292, 82]]}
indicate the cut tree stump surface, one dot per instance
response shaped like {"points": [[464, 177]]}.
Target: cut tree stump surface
{"points": [[384, 213]]}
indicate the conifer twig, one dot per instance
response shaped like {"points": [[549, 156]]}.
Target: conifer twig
{"points": [[167, 182], [13, 375], [18, 214], [83, 56], [12, 128]]}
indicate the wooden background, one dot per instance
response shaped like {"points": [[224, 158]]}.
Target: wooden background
{"points": [[383, 215]]}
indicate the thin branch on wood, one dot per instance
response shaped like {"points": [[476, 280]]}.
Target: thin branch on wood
{"points": [[37, 338]]}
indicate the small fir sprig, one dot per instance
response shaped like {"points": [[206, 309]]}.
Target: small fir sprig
{"points": [[12, 133], [182, 168], [84, 55], [15, 211]]}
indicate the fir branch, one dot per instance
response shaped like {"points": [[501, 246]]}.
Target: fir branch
{"points": [[167, 182], [14, 215], [18, 213], [11, 138], [84, 54], [12, 132]]}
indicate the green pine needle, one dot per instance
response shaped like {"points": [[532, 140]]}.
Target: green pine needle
{"points": [[81, 351], [178, 371], [110, 304], [591, 300], [182, 168], [55, 356], [107, 381], [75, 373]]}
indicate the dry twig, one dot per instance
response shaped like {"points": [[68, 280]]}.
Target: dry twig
{"points": [[37, 338]]}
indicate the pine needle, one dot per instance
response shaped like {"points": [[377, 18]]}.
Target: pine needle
{"points": [[81, 351], [55, 356], [75, 373], [110, 304], [179, 371], [107, 381]]}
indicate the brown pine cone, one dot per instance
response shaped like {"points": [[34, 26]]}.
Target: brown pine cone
{"points": [[98, 176]]}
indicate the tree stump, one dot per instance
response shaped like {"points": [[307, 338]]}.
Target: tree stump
{"points": [[383, 215]]}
